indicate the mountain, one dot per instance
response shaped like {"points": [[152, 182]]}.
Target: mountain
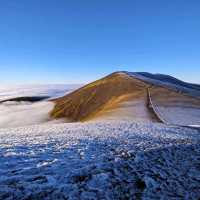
{"points": [[128, 95], [167, 81], [103, 159]]}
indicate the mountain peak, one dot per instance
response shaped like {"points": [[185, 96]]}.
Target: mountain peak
{"points": [[119, 88]]}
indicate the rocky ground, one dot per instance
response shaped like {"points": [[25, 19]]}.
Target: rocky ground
{"points": [[100, 160]]}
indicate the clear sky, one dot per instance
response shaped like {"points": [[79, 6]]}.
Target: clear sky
{"points": [[77, 41]]}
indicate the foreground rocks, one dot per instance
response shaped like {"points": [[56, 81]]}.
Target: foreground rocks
{"points": [[120, 160]]}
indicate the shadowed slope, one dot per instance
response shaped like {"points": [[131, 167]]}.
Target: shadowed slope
{"points": [[170, 79], [176, 108], [167, 81], [100, 97]]}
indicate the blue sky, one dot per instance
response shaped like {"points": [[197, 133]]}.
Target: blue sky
{"points": [[77, 41]]}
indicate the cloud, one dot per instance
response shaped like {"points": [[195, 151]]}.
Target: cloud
{"points": [[15, 114]]}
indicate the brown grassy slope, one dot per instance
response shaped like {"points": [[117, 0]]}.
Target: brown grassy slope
{"points": [[86, 102]]}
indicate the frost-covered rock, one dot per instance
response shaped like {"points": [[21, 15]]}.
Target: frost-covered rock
{"points": [[100, 160]]}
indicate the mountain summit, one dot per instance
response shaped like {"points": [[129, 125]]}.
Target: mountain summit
{"points": [[137, 96]]}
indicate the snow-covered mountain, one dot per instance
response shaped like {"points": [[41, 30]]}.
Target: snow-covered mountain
{"points": [[133, 142]]}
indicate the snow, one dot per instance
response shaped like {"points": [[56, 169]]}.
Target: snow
{"points": [[135, 110], [180, 110], [100, 160], [180, 115], [194, 125], [103, 159]]}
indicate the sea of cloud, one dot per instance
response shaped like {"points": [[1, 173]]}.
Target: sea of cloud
{"points": [[16, 114], [52, 90]]}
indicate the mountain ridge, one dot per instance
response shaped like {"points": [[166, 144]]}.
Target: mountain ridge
{"points": [[167, 81], [114, 92]]}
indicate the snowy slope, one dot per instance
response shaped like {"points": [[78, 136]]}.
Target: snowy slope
{"points": [[112, 159], [102, 160], [175, 108], [180, 115], [167, 81]]}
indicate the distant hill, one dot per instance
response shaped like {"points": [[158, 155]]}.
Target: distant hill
{"points": [[122, 95], [168, 81], [28, 99]]}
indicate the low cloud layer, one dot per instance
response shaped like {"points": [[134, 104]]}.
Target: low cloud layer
{"points": [[36, 90], [15, 114]]}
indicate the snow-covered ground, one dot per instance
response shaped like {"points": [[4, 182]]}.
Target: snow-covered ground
{"points": [[107, 159], [100, 160], [181, 115], [134, 109], [175, 108]]}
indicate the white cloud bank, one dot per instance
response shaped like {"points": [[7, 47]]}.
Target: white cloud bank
{"points": [[15, 114], [51, 90]]}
